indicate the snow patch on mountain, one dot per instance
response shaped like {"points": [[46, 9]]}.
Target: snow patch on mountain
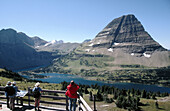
{"points": [[53, 42], [110, 50], [147, 55]]}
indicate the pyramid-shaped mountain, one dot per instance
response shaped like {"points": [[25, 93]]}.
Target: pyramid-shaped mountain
{"points": [[127, 33], [126, 40]]}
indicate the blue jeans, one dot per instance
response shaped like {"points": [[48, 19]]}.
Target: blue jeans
{"points": [[72, 102]]}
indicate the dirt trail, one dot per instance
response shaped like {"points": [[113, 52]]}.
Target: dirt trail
{"points": [[165, 99]]}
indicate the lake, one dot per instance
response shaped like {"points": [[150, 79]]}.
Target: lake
{"points": [[58, 78]]}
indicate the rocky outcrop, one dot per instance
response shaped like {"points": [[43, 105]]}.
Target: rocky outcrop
{"points": [[87, 40]]}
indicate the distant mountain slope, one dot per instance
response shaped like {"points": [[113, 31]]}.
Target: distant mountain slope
{"points": [[122, 44], [17, 51], [38, 41]]}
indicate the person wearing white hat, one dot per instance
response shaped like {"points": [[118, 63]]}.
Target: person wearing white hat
{"points": [[16, 90], [15, 87], [37, 95]]}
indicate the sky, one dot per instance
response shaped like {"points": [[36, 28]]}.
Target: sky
{"points": [[77, 20]]}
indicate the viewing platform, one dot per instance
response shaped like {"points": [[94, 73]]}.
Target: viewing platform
{"points": [[51, 100]]}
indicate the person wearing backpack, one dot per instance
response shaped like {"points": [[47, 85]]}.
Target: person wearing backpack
{"points": [[6, 94], [37, 95], [72, 94], [10, 92], [16, 90]]}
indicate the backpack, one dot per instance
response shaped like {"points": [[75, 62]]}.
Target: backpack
{"points": [[36, 93], [10, 90]]}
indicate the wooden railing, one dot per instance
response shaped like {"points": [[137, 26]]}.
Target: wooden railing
{"points": [[82, 105], [30, 99]]}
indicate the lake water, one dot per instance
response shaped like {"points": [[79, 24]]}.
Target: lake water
{"points": [[58, 78]]}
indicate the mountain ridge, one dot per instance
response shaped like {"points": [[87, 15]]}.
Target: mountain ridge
{"points": [[19, 51]]}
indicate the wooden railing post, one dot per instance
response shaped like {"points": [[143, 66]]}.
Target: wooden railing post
{"points": [[66, 103], [17, 100], [21, 100], [94, 101], [29, 96], [79, 103]]}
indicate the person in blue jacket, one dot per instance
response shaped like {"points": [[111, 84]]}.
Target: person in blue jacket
{"points": [[16, 90], [37, 95]]}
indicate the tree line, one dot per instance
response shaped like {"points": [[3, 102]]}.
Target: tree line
{"points": [[123, 98]]}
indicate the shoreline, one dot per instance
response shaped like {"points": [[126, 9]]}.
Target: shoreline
{"points": [[38, 75]]}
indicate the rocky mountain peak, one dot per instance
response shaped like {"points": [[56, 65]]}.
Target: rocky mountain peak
{"points": [[9, 36], [38, 41], [125, 33]]}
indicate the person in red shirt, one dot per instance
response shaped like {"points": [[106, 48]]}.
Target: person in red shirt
{"points": [[72, 94]]}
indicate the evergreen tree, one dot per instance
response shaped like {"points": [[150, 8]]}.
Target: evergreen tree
{"points": [[90, 96], [119, 101], [153, 96], [85, 90], [128, 102], [103, 89], [137, 92], [113, 90], [147, 96], [123, 92], [128, 92], [132, 91], [99, 96], [137, 100], [156, 104], [143, 94], [115, 95], [134, 104], [124, 105], [158, 93]]}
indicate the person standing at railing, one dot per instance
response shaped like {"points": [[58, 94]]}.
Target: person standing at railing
{"points": [[10, 94], [72, 94], [16, 90], [6, 94], [37, 95]]}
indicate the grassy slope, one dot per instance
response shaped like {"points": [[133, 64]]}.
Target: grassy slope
{"points": [[100, 67]]}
